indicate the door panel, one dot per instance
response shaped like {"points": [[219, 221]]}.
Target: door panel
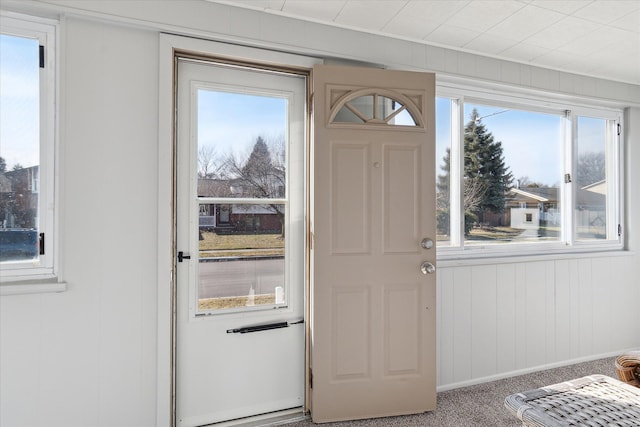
{"points": [[401, 198], [245, 268], [373, 311], [349, 177]]}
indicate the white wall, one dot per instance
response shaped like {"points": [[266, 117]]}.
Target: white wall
{"points": [[88, 356]]}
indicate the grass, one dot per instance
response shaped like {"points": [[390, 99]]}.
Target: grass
{"points": [[215, 245], [494, 233], [235, 302]]}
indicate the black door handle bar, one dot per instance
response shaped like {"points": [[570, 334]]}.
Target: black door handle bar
{"points": [[265, 327]]}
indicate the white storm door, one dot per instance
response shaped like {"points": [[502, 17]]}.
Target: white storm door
{"points": [[240, 245], [373, 317]]}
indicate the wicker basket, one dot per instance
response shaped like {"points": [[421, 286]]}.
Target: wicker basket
{"points": [[595, 400], [628, 368]]}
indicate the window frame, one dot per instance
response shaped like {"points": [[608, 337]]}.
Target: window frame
{"points": [[460, 91], [45, 31]]}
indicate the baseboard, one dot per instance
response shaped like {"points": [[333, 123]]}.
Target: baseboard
{"points": [[501, 376]]}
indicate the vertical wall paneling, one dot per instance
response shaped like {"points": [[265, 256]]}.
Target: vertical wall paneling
{"points": [[550, 312], [522, 307], [445, 325], [462, 323], [535, 313], [602, 278], [585, 298], [483, 325], [508, 318], [562, 307]]}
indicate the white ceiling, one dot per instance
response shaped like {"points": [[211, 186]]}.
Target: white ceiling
{"points": [[591, 37]]}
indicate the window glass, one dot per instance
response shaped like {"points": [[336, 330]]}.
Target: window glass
{"points": [[590, 209], [539, 176], [443, 170], [241, 154], [19, 149], [241, 145], [242, 256], [513, 167], [374, 108]]}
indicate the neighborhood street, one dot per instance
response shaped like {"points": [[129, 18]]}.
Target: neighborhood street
{"points": [[237, 277]]}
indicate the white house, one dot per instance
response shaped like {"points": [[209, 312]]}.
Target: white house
{"points": [[93, 342]]}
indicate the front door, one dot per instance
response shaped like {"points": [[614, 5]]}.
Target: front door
{"points": [[240, 151], [373, 283]]}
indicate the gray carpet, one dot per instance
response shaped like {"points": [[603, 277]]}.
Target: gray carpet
{"points": [[482, 405]]}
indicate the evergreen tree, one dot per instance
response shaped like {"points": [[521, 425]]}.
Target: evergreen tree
{"points": [[486, 177], [443, 195], [260, 177], [484, 161]]}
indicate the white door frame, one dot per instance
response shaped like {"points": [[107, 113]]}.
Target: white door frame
{"points": [[166, 304]]}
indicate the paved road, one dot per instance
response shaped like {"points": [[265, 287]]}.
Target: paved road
{"points": [[235, 278]]}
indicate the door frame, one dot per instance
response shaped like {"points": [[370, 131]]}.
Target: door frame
{"points": [[169, 46]]}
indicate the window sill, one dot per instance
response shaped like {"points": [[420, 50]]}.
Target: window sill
{"points": [[32, 287], [457, 261]]}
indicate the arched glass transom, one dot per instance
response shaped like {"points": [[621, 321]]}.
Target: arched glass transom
{"points": [[375, 106]]}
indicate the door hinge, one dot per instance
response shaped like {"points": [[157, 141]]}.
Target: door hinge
{"points": [[41, 55], [619, 230], [310, 378], [567, 178], [41, 243], [619, 129]]}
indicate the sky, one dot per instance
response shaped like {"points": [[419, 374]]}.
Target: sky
{"points": [[19, 74], [232, 122]]}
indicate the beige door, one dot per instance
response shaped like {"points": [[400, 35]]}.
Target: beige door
{"points": [[373, 283]]}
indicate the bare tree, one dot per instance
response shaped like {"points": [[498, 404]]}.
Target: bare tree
{"points": [[526, 182], [591, 168], [209, 164], [474, 190], [260, 176]]}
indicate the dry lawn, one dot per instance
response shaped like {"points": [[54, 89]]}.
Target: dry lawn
{"points": [[215, 245], [234, 302]]}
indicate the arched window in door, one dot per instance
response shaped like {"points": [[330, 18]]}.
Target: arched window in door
{"points": [[372, 106]]}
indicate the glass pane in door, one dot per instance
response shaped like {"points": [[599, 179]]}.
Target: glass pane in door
{"points": [[241, 145], [242, 262], [241, 154]]}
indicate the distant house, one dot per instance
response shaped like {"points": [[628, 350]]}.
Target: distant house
{"points": [[535, 207], [229, 218], [591, 210], [19, 191]]}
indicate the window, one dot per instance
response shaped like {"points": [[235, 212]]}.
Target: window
{"points": [[27, 70], [242, 176], [525, 177], [374, 108]]}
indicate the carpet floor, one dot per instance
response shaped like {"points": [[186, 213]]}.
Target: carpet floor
{"points": [[481, 405]]}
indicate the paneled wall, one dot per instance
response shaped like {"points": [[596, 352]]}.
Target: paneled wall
{"points": [[498, 320]]}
